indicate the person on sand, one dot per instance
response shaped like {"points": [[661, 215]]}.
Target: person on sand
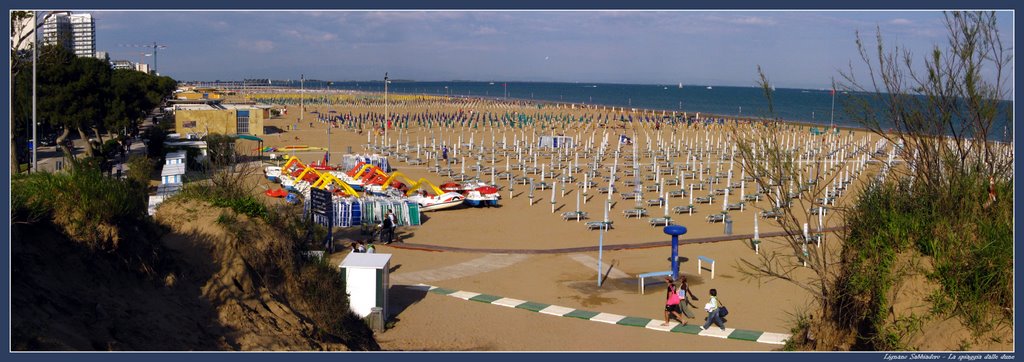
{"points": [[355, 247], [684, 290], [361, 248], [388, 227], [672, 303], [713, 307], [370, 249]]}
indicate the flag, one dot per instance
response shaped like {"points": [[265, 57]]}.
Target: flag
{"points": [[833, 92]]}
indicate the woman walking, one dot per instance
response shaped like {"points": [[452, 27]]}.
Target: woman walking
{"points": [[684, 290], [713, 308], [672, 302]]}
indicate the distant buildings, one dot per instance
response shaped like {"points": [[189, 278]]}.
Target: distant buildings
{"points": [[76, 32], [122, 64], [195, 120]]}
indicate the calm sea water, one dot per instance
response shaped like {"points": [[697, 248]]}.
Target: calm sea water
{"points": [[801, 105]]}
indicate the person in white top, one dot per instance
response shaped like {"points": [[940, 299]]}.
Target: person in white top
{"points": [[713, 308]]}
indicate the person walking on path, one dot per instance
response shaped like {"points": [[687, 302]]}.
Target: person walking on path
{"points": [[672, 303], [684, 290], [713, 308], [444, 154]]}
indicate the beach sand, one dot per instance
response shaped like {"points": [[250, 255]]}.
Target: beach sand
{"points": [[428, 321]]}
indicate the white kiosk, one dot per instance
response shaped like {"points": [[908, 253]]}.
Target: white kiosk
{"points": [[366, 279]]}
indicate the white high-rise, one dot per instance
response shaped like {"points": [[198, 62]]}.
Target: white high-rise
{"points": [[76, 32]]}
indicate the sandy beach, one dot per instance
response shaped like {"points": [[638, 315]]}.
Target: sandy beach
{"points": [[519, 234]]}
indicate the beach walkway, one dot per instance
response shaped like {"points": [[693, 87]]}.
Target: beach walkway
{"points": [[654, 324], [584, 249]]}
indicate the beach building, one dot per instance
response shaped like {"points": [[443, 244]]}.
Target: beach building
{"points": [[367, 282], [194, 121]]}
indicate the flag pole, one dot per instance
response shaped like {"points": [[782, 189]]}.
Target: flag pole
{"points": [[831, 118]]}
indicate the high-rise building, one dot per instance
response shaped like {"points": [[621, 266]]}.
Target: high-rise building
{"points": [[76, 32], [57, 29], [83, 35]]}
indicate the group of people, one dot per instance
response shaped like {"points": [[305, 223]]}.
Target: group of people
{"points": [[677, 299], [387, 227]]}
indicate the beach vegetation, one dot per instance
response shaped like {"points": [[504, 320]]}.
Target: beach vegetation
{"points": [[943, 194], [950, 199]]}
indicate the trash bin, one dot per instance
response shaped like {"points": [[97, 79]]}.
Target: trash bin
{"points": [[728, 225], [376, 319]]}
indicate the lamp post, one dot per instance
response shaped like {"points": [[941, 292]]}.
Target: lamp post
{"points": [[385, 109], [35, 51], [302, 96]]}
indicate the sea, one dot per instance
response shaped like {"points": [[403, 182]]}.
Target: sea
{"points": [[812, 106]]}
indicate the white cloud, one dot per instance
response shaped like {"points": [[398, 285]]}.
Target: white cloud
{"points": [[901, 21], [752, 20], [258, 46], [485, 30]]}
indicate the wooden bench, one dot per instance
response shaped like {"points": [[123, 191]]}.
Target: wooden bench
{"points": [[641, 277], [704, 259]]}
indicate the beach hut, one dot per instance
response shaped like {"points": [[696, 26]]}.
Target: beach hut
{"points": [[366, 280], [175, 158], [171, 174], [555, 142]]}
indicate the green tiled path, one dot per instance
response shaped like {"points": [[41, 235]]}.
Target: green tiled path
{"points": [[714, 331]]}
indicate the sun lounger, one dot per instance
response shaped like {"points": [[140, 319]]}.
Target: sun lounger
{"points": [[715, 218], [736, 206], [679, 193], [630, 196], [659, 201], [704, 200], [774, 214], [578, 215], [591, 225], [635, 212], [682, 209], [661, 221]]}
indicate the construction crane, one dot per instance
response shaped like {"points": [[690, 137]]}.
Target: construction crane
{"points": [[153, 46]]}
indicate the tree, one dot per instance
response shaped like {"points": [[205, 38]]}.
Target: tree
{"points": [[73, 94], [945, 114], [794, 177]]}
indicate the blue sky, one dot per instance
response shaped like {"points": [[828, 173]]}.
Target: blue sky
{"points": [[802, 49]]}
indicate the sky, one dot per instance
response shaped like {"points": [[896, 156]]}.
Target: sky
{"points": [[797, 49]]}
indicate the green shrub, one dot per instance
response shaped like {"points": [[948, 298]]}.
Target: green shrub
{"points": [[82, 201]]}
